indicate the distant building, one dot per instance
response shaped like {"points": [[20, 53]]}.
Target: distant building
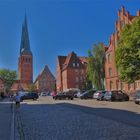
{"points": [[111, 71], [17, 86], [45, 81], [70, 72], [1, 85]]}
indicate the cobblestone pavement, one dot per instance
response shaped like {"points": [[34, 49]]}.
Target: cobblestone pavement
{"points": [[5, 119], [50, 120]]}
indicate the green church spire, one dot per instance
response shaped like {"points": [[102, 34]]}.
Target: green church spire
{"points": [[25, 43]]}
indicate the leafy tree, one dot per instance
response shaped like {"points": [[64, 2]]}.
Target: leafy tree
{"points": [[128, 52], [87, 83], [8, 78], [96, 65], [32, 88]]}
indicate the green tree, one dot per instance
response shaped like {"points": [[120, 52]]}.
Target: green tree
{"points": [[32, 88], [96, 65], [128, 52], [8, 77], [87, 83]]}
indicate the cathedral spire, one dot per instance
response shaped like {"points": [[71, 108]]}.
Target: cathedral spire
{"points": [[25, 43]]}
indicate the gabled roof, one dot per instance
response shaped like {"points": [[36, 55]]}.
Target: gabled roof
{"points": [[64, 61], [47, 71], [67, 61]]}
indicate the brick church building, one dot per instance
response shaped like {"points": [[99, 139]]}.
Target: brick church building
{"points": [[111, 71], [25, 62], [45, 81], [70, 72]]}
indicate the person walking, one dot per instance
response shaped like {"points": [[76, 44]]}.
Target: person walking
{"points": [[17, 100]]}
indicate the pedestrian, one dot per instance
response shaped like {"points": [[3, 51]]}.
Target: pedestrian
{"points": [[17, 100]]}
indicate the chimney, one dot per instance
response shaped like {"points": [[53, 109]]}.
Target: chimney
{"points": [[138, 13], [123, 10]]}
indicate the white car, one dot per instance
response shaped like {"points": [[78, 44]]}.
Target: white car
{"points": [[99, 95]]}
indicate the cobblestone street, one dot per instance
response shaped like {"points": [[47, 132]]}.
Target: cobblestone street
{"points": [[46, 119]]}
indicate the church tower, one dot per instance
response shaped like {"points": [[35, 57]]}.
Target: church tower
{"points": [[25, 60]]}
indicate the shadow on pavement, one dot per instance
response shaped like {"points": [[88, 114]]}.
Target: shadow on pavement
{"points": [[123, 116]]}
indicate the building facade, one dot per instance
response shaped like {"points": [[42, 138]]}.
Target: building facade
{"points": [[45, 81], [70, 72], [25, 60], [111, 71]]}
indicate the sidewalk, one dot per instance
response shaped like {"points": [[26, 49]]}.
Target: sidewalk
{"points": [[5, 119]]}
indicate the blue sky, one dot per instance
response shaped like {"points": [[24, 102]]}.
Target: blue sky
{"points": [[56, 27]]}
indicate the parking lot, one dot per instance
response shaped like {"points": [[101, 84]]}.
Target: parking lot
{"points": [[126, 105], [78, 120]]}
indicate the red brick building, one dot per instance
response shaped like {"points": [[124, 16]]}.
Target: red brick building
{"points": [[45, 81], [18, 86], [111, 71], [25, 62], [70, 72]]}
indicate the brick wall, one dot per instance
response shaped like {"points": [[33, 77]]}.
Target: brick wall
{"points": [[111, 72], [25, 69]]}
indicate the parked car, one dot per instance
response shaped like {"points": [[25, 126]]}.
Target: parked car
{"points": [[88, 94], [63, 95], [72, 91], [45, 94], [22, 93], [77, 95], [116, 95], [137, 97], [99, 95], [28, 96]]}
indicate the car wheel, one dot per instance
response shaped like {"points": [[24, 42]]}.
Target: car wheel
{"points": [[136, 102]]}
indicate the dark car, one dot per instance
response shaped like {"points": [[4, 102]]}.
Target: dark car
{"points": [[88, 94], [99, 95], [137, 97], [63, 95], [28, 96], [116, 95]]}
